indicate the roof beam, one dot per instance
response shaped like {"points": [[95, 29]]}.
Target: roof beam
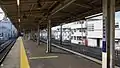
{"points": [[53, 6], [32, 11], [83, 5], [64, 6], [53, 11], [83, 15], [25, 2]]}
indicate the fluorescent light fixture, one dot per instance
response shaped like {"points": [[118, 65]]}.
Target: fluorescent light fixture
{"points": [[18, 20], [18, 2]]}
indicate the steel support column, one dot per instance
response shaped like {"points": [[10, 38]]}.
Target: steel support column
{"points": [[81, 22], [86, 33], [31, 34], [49, 37], [38, 36], [60, 34], [108, 34]]}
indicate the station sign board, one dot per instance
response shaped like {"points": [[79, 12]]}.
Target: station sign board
{"points": [[104, 37]]}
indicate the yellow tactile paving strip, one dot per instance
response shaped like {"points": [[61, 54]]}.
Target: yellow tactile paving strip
{"points": [[23, 57]]}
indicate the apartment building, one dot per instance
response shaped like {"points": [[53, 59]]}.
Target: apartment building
{"points": [[89, 32]]}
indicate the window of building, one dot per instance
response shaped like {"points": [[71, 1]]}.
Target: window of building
{"points": [[81, 29], [78, 37], [84, 29], [71, 37], [90, 27], [58, 29], [116, 26], [68, 36], [78, 29], [74, 37], [74, 30]]}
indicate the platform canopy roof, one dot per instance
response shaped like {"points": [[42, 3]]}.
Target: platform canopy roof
{"points": [[34, 12]]}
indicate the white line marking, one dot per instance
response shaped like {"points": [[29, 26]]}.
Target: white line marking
{"points": [[44, 57]]}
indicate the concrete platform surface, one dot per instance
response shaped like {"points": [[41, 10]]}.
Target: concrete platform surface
{"points": [[12, 59], [57, 59], [39, 59]]}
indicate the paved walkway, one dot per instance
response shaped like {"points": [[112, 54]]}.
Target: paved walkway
{"points": [[57, 59], [27, 54]]}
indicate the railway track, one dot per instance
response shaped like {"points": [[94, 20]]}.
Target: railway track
{"points": [[5, 48]]}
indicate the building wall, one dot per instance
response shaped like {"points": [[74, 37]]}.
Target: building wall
{"points": [[94, 32], [97, 32], [66, 34], [92, 42], [117, 33], [78, 32]]}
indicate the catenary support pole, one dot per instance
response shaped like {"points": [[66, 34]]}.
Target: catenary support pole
{"points": [[108, 34], [49, 37]]}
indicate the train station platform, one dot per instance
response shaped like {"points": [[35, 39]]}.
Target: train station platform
{"points": [[27, 54], [12, 59]]}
